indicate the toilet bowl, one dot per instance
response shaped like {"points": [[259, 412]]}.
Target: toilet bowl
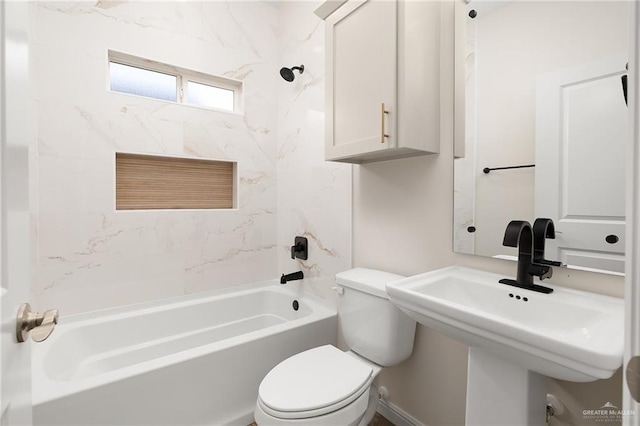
{"points": [[320, 386], [326, 386]]}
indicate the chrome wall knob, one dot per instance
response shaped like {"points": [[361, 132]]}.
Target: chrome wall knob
{"points": [[40, 325]]}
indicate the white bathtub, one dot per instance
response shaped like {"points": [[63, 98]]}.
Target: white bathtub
{"points": [[193, 360]]}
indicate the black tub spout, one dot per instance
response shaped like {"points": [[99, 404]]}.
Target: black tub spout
{"points": [[291, 277]]}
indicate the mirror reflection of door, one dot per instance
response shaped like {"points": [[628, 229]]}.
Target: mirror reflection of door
{"points": [[511, 46], [581, 134]]}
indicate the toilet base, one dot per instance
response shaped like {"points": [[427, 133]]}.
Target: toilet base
{"points": [[353, 414], [372, 407]]}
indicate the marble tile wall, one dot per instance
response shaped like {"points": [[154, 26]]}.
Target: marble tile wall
{"points": [[87, 256], [314, 196]]}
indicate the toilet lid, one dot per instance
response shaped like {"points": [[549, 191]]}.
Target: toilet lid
{"points": [[313, 379]]}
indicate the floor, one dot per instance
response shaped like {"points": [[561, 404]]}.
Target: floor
{"points": [[378, 420]]}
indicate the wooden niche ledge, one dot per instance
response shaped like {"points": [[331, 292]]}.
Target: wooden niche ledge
{"points": [[153, 182]]}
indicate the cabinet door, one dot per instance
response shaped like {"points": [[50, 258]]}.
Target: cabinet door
{"points": [[361, 78]]}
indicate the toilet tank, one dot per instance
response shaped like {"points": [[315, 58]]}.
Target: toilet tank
{"points": [[372, 326]]}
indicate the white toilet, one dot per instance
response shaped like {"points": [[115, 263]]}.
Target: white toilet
{"points": [[326, 386]]}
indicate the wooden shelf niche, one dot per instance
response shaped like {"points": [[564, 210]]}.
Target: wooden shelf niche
{"points": [[146, 182]]}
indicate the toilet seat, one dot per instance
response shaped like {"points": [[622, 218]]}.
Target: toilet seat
{"points": [[313, 383], [350, 415]]}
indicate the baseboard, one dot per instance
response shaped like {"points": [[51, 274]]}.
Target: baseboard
{"points": [[397, 415], [243, 420], [390, 411]]}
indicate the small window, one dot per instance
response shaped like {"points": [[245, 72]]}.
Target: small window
{"points": [[141, 82], [151, 79], [210, 96]]}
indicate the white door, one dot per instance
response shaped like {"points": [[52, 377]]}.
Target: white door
{"points": [[581, 134], [15, 358], [360, 78]]}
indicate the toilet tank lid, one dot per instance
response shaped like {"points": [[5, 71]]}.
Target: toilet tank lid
{"points": [[367, 280]]}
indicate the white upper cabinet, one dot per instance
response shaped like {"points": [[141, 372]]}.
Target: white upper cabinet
{"points": [[382, 79]]}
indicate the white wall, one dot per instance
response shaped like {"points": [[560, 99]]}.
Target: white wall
{"points": [[87, 256], [403, 223]]}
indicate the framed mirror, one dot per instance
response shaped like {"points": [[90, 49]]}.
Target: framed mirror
{"points": [[541, 127]]}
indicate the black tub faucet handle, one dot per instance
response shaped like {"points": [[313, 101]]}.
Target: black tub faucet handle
{"points": [[299, 249]]}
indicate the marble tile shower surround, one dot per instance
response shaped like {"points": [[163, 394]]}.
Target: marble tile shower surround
{"points": [[314, 196], [87, 256]]}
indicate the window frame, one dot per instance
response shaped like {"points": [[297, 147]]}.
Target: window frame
{"points": [[183, 76]]}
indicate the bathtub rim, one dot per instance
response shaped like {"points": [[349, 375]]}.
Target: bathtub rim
{"points": [[186, 298]]}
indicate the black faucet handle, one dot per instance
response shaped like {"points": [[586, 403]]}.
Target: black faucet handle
{"points": [[543, 228], [295, 249], [300, 248], [549, 262], [541, 271]]}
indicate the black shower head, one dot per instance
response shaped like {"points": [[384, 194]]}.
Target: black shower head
{"points": [[287, 73]]}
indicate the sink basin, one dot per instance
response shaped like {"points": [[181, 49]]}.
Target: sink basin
{"points": [[568, 334]]}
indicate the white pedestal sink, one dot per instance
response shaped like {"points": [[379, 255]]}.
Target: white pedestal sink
{"points": [[517, 337], [502, 393]]}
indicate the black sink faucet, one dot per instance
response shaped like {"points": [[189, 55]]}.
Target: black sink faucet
{"points": [[290, 277], [520, 234]]}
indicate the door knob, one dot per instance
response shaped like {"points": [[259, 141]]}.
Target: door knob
{"points": [[633, 377], [40, 325]]}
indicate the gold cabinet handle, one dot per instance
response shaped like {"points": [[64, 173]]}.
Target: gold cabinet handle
{"points": [[383, 134]]}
